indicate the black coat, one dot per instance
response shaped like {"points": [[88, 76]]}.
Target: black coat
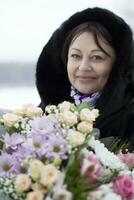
{"points": [[116, 103]]}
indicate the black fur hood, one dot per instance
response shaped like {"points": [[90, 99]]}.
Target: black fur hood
{"points": [[51, 74]]}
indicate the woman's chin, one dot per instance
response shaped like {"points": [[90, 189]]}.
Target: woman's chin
{"points": [[85, 90]]}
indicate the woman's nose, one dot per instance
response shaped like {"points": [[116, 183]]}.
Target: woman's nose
{"points": [[85, 65]]}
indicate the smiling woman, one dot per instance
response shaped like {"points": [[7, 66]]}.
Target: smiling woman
{"points": [[89, 58], [88, 66]]}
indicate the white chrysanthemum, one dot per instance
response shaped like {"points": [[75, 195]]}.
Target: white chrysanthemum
{"points": [[85, 127], [112, 196], [22, 183], [69, 118], [107, 158], [75, 138], [125, 173], [10, 119]]}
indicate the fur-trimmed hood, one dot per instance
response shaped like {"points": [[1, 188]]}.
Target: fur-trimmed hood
{"points": [[51, 73]]}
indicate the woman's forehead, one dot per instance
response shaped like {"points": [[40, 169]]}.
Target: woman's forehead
{"points": [[86, 40]]}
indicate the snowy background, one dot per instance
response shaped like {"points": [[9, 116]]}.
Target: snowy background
{"points": [[25, 27]]}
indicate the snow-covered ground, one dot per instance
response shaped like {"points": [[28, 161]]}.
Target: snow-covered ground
{"points": [[14, 97]]}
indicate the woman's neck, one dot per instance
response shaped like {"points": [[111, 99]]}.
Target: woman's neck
{"points": [[80, 98]]}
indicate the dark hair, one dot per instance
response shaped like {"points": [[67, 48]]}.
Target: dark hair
{"points": [[93, 27]]}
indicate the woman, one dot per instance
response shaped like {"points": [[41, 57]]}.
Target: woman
{"points": [[89, 58]]}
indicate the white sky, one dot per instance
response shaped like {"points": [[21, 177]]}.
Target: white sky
{"points": [[26, 25]]}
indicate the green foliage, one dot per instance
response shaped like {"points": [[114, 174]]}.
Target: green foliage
{"points": [[118, 145], [77, 184], [1, 145], [84, 105]]}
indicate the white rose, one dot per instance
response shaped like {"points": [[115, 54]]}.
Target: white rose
{"points": [[88, 115], [64, 106], [22, 183], [75, 138], [49, 175], [96, 112], [35, 195], [34, 111], [69, 118], [22, 111], [35, 169], [29, 110], [10, 119], [39, 187], [85, 127]]}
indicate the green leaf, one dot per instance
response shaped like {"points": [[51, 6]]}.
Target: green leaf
{"points": [[84, 105]]}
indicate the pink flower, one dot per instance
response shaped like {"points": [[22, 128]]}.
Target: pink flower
{"points": [[91, 169], [124, 186], [127, 158]]}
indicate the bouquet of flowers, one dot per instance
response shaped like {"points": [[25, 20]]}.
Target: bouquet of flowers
{"points": [[55, 156]]}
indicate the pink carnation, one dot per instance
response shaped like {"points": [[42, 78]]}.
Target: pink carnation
{"points": [[124, 186], [127, 158]]}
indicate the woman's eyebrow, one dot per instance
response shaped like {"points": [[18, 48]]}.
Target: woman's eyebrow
{"points": [[75, 49]]}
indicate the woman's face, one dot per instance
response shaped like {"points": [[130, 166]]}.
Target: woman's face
{"points": [[88, 66]]}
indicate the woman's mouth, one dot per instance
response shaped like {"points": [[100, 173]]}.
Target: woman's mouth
{"points": [[85, 78]]}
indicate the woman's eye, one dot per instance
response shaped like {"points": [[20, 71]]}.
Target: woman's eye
{"points": [[75, 56], [98, 57]]}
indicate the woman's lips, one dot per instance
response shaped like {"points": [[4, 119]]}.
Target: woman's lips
{"points": [[86, 78]]}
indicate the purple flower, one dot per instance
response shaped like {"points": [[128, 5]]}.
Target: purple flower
{"points": [[54, 147], [43, 125], [28, 145], [23, 152], [6, 164], [58, 149], [19, 156], [47, 137], [49, 145], [12, 141], [38, 140]]}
